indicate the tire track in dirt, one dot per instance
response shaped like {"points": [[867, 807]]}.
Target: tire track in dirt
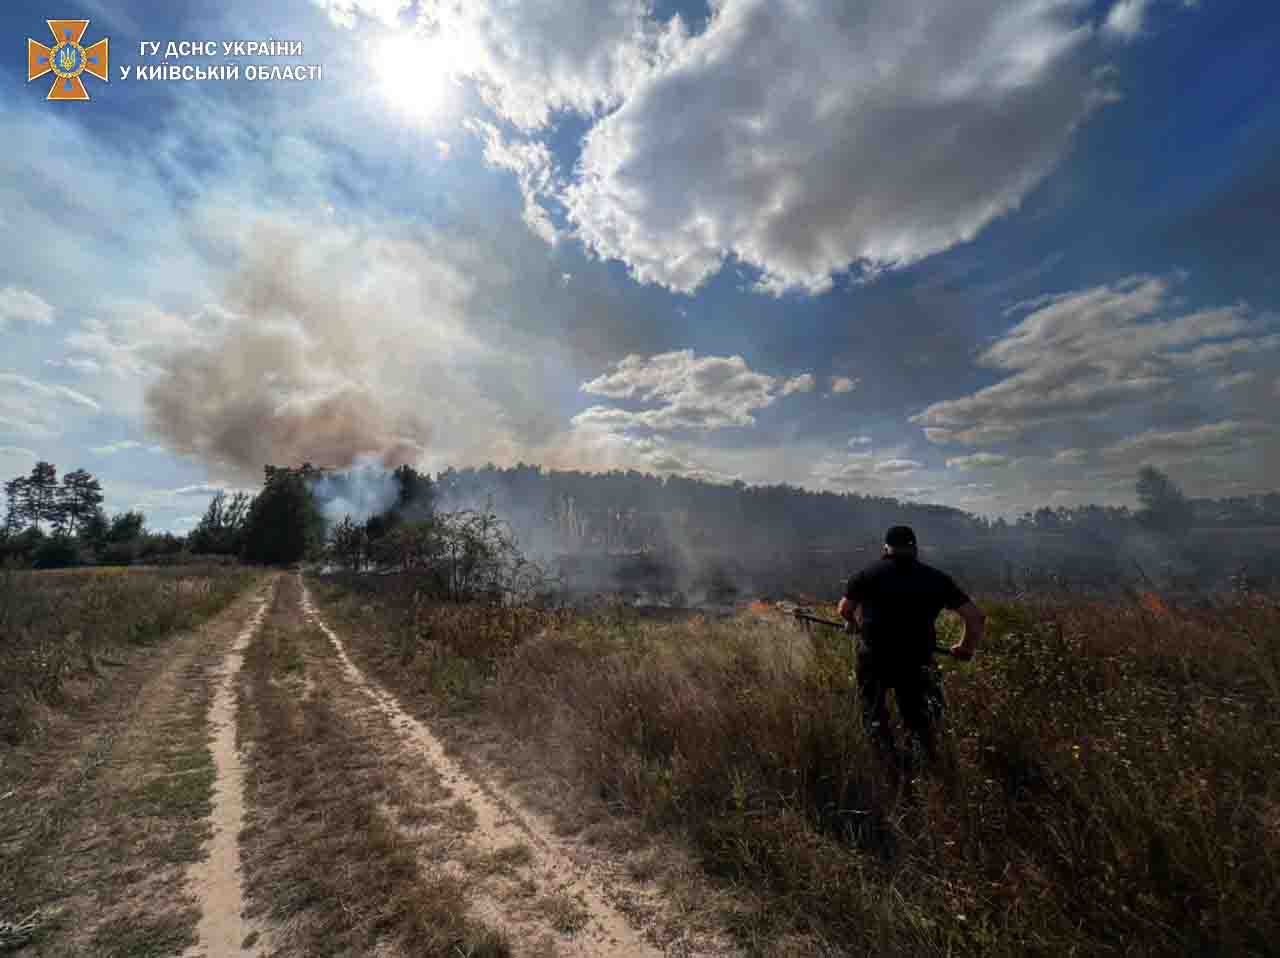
{"points": [[499, 826], [216, 881]]}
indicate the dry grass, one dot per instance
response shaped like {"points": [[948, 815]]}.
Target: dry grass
{"points": [[67, 630], [323, 861], [1110, 780], [113, 807]]}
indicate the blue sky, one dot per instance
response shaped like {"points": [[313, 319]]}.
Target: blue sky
{"points": [[996, 255]]}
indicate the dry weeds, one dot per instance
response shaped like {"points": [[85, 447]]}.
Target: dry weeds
{"points": [[1109, 783]]}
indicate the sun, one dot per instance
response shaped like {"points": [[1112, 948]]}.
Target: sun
{"points": [[415, 73]]}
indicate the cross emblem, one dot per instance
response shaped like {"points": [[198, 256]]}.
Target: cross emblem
{"points": [[67, 59]]}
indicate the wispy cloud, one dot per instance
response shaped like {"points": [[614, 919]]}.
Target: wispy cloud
{"points": [[22, 306], [111, 448], [978, 460]]}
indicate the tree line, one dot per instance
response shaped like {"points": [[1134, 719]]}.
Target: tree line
{"points": [[51, 522]]}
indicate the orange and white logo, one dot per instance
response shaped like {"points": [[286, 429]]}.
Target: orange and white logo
{"points": [[67, 59]]}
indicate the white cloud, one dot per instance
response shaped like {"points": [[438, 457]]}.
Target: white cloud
{"points": [[80, 364], [1164, 446], [864, 472], [898, 466], [1236, 379], [534, 167], [49, 391], [22, 306], [803, 383], [806, 137], [843, 384], [978, 460], [691, 392], [1088, 355], [860, 441], [37, 409], [532, 58], [111, 448], [1126, 17], [346, 13], [1070, 457]]}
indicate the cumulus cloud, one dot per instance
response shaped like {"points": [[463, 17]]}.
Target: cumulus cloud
{"points": [[22, 306], [805, 137], [534, 58], [978, 460], [534, 168], [803, 383], [690, 392], [1090, 354], [843, 384]]}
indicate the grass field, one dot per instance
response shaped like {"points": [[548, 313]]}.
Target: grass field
{"points": [[1110, 779], [62, 632]]}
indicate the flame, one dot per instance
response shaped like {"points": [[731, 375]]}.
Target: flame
{"points": [[758, 606], [1153, 604]]}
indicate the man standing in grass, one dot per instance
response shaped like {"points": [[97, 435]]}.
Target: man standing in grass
{"points": [[897, 600]]}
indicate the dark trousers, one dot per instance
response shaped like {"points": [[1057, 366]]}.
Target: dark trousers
{"points": [[916, 690]]}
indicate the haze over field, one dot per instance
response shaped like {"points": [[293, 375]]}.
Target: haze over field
{"points": [[995, 255]]}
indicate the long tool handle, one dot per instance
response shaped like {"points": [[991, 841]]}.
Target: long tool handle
{"points": [[939, 649]]}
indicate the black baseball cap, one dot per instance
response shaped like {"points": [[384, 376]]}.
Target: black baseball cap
{"points": [[900, 537]]}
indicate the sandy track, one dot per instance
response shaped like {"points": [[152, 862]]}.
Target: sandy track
{"points": [[216, 881], [501, 822]]}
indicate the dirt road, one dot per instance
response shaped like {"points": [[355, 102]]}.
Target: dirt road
{"points": [[256, 793], [263, 796]]}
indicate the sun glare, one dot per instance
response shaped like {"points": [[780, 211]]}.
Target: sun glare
{"points": [[415, 73]]}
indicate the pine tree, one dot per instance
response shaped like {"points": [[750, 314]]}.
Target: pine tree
{"points": [[80, 495], [15, 491], [42, 494]]}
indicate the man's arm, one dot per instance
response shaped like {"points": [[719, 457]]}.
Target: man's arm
{"points": [[850, 607], [974, 629]]}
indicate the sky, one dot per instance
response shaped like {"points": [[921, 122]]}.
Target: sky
{"points": [[995, 254]]}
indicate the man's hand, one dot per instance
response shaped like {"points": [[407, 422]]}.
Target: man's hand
{"points": [[974, 627]]}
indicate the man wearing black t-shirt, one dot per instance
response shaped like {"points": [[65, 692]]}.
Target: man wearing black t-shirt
{"points": [[896, 600]]}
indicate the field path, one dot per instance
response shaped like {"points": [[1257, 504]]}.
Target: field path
{"points": [[547, 898], [105, 840], [216, 880]]}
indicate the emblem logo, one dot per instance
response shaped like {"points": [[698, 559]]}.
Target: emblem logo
{"points": [[67, 59]]}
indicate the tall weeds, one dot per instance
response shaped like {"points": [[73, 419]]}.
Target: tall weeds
{"points": [[1109, 780], [55, 626]]}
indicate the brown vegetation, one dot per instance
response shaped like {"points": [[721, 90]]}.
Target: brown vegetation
{"points": [[104, 804], [76, 625], [1108, 783]]}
